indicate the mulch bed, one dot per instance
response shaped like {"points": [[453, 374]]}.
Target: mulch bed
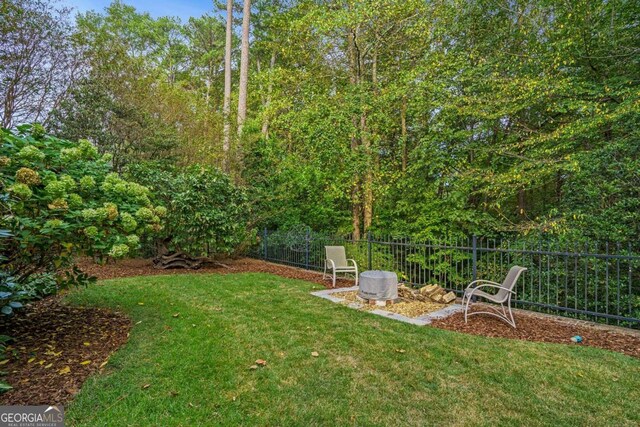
{"points": [[55, 348], [532, 327], [144, 267]]}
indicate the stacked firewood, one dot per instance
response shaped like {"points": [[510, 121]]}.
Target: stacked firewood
{"points": [[432, 293]]}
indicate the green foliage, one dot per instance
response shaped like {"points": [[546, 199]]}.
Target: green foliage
{"points": [[146, 75], [4, 339], [62, 201], [450, 118], [425, 119], [10, 294], [203, 212]]}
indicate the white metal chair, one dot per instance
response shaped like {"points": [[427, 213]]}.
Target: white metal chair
{"points": [[336, 262], [502, 297]]}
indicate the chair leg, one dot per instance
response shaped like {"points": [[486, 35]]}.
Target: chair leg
{"points": [[334, 279], [356, 275], [506, 315], [513, 321], [466, 307]]}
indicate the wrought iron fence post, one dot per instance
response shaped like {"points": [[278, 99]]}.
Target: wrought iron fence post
{"points": [[306, 248], [264, 243], [369, 250], [474, 257]]}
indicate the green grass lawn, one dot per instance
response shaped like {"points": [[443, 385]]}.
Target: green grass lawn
{"points": [[199, 370]]}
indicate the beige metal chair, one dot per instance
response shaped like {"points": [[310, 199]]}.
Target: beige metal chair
{"points": [[502, 297], [337, 262]]}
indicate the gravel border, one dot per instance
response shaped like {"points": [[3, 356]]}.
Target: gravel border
{"points": [[418, 321]]}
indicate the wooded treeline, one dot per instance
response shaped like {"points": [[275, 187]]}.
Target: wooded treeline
{"points": [[420, 118]]}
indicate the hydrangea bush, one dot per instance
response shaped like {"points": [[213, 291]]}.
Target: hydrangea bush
{"points": [[61, 199]]}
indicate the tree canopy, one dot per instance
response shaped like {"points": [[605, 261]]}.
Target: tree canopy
{"points": [[416, 117]]}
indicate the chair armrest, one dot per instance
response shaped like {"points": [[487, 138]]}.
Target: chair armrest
{"points": [[353, 261], [333, 265], [491, 285], [481, 281]]}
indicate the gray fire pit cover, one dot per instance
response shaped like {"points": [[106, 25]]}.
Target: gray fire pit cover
{"points": [[378, 285]]}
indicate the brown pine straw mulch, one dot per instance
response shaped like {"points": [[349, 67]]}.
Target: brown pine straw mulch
{"points": [[55, 348], [544, 328]]}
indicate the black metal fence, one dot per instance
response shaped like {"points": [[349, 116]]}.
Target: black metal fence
{"points": [[596, 281]]}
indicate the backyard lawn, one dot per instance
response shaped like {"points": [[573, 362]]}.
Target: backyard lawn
{"points": [[195, 338]]}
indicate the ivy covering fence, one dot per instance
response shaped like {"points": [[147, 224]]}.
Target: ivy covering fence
{"points": [[591, 280]]}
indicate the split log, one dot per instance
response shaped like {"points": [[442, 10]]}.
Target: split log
{"points": [[448, 298], [429, 290]]}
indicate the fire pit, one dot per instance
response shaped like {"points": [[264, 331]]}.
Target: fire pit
{"points": [[378, 287]]}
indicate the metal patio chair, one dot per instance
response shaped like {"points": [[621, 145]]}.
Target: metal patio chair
{"points": [[502, 297], [336, 262]]}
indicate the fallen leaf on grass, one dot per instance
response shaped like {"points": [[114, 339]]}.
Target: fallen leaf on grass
{"points": [[146, 386], [401, 350], [140, 303], [48, 366], [176, 315], [4, 362], [103, 364], [31, 360], [315, 354], [261, 362], [64, 370], [86, 362], [253, 367], [86, 344]]}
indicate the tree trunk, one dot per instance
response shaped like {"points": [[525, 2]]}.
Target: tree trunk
{"points": [[367, 203], [366, 142], [522, 209], [403, 130], [226, 109], [354, 79], [265, 120], [244, 66]]}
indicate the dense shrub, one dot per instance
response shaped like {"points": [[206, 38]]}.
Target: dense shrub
{"points": [[205, 212], [59, 199]]}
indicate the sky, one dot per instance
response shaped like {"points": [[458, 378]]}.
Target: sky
{"points": [[181, 8]]}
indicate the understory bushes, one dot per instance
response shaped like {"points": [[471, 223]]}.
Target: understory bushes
{"points": [[206, 213]]}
